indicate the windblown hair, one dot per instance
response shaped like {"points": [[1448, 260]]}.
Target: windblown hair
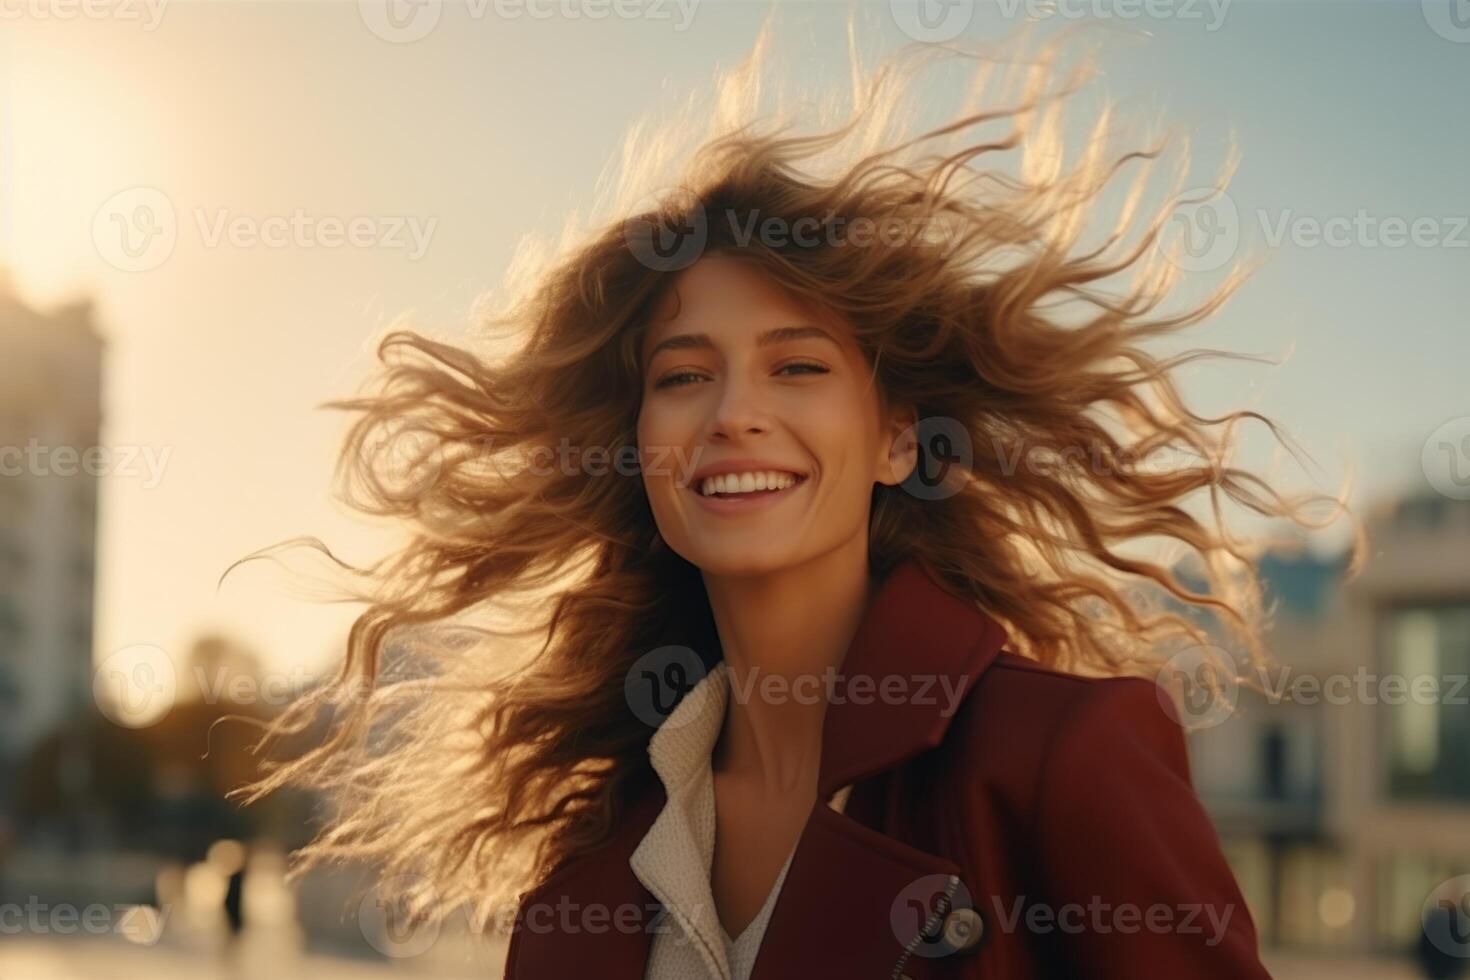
{"points": [[473, 764]]}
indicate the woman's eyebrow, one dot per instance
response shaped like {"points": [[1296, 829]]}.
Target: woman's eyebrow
{"points": [[777, 335]]}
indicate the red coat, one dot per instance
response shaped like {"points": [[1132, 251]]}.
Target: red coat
{"points": [[1046, 828]]}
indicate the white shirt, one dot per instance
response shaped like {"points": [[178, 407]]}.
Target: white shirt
{"points": [[674, 858]]}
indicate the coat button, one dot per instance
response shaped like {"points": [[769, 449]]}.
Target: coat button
{"points": [[963, 930]]}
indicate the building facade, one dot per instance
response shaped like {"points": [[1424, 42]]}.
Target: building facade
{"points": [[1341, 788], [50, 417]]}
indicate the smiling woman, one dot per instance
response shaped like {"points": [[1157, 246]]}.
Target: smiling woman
{"points": [[729, 740], [783, 420]]}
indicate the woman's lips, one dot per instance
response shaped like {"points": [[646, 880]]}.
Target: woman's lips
{"points": [[746, 503]]}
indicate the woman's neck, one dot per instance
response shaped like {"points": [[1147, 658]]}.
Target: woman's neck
{"points": [[783, 636]]}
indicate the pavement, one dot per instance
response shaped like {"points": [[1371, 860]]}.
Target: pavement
{"points": [[87, 958], [1287, 967]]}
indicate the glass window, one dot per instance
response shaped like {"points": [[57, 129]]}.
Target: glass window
{"points": [[1427, 728]]}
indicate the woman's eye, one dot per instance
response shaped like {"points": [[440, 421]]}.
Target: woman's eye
{"points": [[802, 367], [678, 378]]}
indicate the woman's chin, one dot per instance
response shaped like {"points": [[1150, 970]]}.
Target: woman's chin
{"points": [[744, 561]]}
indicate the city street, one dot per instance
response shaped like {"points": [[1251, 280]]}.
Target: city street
{"points": [[88, 959], [38, 958]]}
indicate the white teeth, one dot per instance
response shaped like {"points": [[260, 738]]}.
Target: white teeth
{"points": [[746, 482]]}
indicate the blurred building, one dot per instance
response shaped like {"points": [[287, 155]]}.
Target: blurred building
{"points": [[50, 417], [1405, 807], [1342, 789]]}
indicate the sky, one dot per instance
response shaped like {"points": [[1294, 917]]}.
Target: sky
{"points": [[495, 123]]}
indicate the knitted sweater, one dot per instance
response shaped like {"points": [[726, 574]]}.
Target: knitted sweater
{"points": [[674, 858]]}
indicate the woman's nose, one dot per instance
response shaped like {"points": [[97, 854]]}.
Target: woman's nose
{"points": [[739, 412]]}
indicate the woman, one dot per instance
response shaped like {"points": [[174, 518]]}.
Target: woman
{"points": [[822, 472]]}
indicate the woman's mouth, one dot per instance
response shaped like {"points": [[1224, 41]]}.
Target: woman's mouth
{"points": [[744, 484], [745, 490]]}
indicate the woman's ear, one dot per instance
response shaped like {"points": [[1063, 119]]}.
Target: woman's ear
{"points": [[901, 444]]}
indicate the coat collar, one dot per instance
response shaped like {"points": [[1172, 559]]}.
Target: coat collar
{"points": [[931, 646]]}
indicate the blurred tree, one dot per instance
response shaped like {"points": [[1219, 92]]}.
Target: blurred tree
{"points": [[163, 787]]}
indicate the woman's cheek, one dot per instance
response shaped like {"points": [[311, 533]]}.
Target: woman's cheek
{"points": [[659, 449]]}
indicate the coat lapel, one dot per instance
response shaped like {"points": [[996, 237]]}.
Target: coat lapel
{"points": [[929, 647], [854, 898], [594, 910]]}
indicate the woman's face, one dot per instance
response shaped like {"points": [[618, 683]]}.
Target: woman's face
{"points": [[761, 432]]}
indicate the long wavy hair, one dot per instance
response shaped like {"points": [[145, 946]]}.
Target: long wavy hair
{"points": [[477, 734]]}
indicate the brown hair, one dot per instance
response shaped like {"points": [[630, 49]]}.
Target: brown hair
{"points": [[453, 759]]}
